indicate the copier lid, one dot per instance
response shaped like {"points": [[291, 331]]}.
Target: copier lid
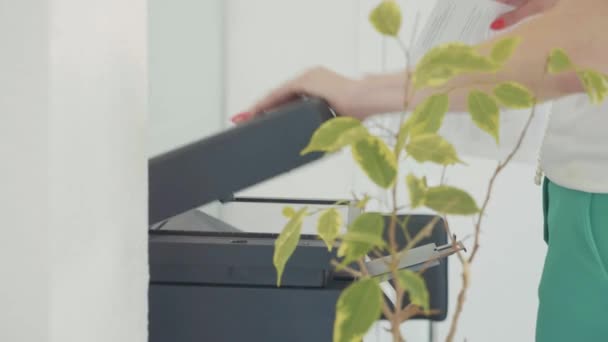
{"points": [[216, 167]]}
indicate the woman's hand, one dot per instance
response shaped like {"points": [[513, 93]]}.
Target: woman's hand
{"points": [[336, 89], [348, 97], [523, 9]]}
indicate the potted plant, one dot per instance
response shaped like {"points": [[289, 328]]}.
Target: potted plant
{"points": [[362, 303]]}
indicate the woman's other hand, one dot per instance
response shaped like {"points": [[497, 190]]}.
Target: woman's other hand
{"points": [[523, 9]]}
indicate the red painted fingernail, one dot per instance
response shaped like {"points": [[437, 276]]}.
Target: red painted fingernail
{"points": [[498, 24], [241, 117]]}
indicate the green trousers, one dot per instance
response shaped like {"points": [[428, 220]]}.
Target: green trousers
{"points": [[573, 292]]}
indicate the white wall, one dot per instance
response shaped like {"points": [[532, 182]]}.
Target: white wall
{"points": [[186, 72], [73, 103], [268, 41], [98, 188], [24, 247]]}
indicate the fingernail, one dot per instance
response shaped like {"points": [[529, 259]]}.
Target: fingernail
{"points": [[240, 117], [498, 24]]}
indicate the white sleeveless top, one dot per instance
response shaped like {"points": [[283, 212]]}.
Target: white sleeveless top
{"points": [[575, 150]]}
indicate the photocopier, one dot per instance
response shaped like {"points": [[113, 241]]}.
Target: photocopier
{"points": [[213, 281]]}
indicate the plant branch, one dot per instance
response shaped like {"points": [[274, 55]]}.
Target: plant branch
{"points": [[406, 232], [410, 311], [387, 130], [348, 269], [394, 267], [499, 169], [362, 268], [425, 232], [460, 301], [443, 172], [466, 263]]}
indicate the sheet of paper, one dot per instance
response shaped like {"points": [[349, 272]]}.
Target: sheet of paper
{"points": [[468, 21]]}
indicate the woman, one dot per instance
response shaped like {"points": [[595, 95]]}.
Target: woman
{"points": [[573, 292]]}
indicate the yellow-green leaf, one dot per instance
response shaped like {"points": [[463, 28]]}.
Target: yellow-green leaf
{"points": [[514, 95], [433, 148], [328, 226], [402, 138], [417, 190], [335, 134], [559, 62], [504, 48], [286, 243], [361, 204], [376, 160], [358, 308], [599, 84], [485, 112], [416, 288], [442, 63], [367, 224], [428, 116], [450, 200], [288, 212], [386, 18], [365, 238], [595, 85]]}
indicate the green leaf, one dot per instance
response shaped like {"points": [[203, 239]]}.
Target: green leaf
{"points": [[335, 134], [442, 63], [365, 238], [599, 84], [386, 18], [361, 204], [559, 62], [428, 116], [376, 160], [402, 138], [514, 95], [358, 308], [415, 286], [450, 200], [417, 189], [504, 48], [286, 243], [595, 85], [328, 226], [288, 212], [367, 224], [485, 113], [433, 148]]}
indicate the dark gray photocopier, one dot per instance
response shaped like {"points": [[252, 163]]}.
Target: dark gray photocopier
{"points": [[212, 281]]}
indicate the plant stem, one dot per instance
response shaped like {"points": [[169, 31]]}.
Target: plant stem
{"points": [[443, 172], [348, 269], [499, 168], [395, 321], [466, 263], [461, 300], [395, 256], [426, 231]]}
